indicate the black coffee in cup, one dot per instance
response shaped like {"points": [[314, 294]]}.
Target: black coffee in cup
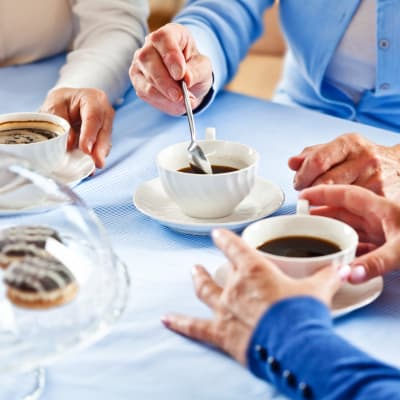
{"points": [[299, 246], [25, 135], [216, 169]]}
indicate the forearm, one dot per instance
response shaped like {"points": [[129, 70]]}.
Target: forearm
{"points": [[308, 358], [106, 37], [223, 31]]}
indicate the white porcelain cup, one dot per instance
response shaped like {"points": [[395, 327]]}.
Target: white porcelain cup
{"points": [[208, 196], [44, 156], [328, 229]]}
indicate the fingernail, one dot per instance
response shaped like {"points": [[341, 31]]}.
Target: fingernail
{"points": [[173, 94], [344, 272], [166, 321], [216, 234], [358, 274], [90, 146], [195, 269], [176, 71]]}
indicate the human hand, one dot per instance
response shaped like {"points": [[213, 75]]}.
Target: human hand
{"points": [[168, 56], [375, 218], [90, 115], [349, 159], [253, 285]]}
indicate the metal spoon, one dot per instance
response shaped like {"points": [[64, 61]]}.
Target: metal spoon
{"points": [[196, 155]]}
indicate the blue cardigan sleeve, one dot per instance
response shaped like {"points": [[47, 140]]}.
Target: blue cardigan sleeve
{"points": [[223, 31], [295, 348]]}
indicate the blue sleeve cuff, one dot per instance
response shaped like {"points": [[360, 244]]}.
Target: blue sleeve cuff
{"points": [[277, 325]]}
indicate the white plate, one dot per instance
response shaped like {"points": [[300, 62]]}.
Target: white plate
{"points": [[347, 299], [264, 199], [76, 167]]}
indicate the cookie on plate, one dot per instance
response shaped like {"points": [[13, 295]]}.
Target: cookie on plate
{"points": [[39, 282], [15, 251]]}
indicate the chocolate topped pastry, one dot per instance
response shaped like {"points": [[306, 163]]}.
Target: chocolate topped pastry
{"points": [[20, 241], [30, 234], [39, 281]]}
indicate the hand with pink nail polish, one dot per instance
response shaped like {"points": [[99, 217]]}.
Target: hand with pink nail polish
{"points": [[169, 55], [375, 218], [253, 285], [90, 115]]}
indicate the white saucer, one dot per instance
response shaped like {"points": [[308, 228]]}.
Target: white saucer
{"points": [[347, 299], [264, 199], [76, 167]]}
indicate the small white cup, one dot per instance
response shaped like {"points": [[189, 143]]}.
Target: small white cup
{"points": [[44, 156], [329, 229], [208, 196]]}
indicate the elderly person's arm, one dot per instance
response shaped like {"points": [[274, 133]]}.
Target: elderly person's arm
{"points": [[95, 75], [281, 328], [204, 46]]}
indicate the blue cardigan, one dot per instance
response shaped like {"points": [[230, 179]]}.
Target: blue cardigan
{"points": [[295, 348], [225, 29]]}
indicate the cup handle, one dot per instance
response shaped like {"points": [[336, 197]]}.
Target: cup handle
{"points": [[302, 207], [211, 134]]}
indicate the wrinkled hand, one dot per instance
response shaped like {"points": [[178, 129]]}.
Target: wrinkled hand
{"points": [[168, 56], [375, 218], [252, 286], [349, 159], [90, 115]]}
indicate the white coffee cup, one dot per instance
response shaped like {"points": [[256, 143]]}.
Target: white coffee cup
{"points": [[44, 156], [305, 225], [208, 196]]}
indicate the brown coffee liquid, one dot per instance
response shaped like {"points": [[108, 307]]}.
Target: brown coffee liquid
{"points": [[216, 169], [25, 135], [299, 246]]}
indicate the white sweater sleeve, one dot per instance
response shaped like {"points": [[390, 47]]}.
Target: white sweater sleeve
{"points": [[106, 34]]}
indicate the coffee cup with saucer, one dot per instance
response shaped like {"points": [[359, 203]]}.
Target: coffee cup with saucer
{"points": [[298, 245], [196, 204]]}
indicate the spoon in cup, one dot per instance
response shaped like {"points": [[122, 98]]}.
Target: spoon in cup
{"points": [[197, 158]]}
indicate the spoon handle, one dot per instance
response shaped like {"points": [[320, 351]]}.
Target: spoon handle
{"points": [[189, 110]]}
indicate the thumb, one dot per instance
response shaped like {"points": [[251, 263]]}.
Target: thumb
{"points": [[327, 281], [375, 263]]}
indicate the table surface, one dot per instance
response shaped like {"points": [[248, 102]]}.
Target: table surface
{"points": [[140, 359]]}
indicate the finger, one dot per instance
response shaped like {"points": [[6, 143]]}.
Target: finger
{"points": [[319, 161], [240, 255], [327, 281], [364, 248], [344, 173], [206, 289], [92, 117], [170, 42], [356, 221], [352, 198], [147, 92], [295, 162], [195, 328], [199, 75], [102, 146], [376, 263], [149, 62]]}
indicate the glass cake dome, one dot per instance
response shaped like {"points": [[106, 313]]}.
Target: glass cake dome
{"points": [[61, 285]]}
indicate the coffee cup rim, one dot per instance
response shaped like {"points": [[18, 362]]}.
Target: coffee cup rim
{"points": [[253, 164], [347, 249], [21, 117]]}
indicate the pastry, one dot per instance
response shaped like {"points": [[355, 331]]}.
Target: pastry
{"points": [[23, 240], [39, 282], [30, 234], [16, 250]]}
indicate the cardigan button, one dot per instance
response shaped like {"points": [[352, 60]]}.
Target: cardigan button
{"points": [[274, 365], [290, 378], [384, 43], [262, 352], [306, 391]]}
